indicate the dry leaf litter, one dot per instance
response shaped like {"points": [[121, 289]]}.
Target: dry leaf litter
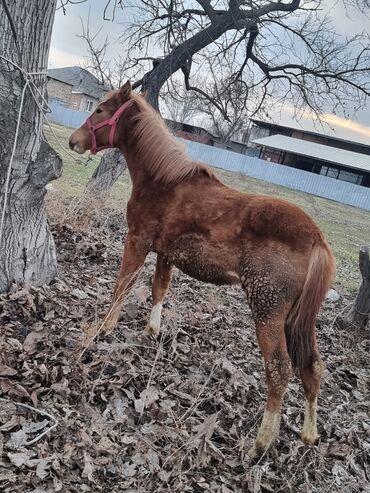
{"points": [[175, 414]]}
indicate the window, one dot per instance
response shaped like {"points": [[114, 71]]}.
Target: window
{"points": [[329, 171], [89, 105], [351, 177], [341, 174]]}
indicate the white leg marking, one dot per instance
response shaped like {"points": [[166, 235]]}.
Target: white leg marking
{"points": [[309, 433], [154, 324], [267, 433]]}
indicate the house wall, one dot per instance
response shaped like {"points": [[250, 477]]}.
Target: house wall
{"points": [[79, 102], [272, 155], [297, 134], [235, 146], [76, 101], [257, 132], [203, 138], [289, 159], [59, 91]]}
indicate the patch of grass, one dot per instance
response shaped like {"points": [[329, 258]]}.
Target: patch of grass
{"points": [[346, 227], [76, 173]]}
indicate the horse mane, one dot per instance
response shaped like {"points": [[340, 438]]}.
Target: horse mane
{"points": [[159, 151]]}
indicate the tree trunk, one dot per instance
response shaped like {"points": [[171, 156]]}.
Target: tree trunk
{"points": [[26, 246], [360, 312], [110, 168]]}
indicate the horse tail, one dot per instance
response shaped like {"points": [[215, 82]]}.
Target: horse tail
{"points": [[300, 327]]}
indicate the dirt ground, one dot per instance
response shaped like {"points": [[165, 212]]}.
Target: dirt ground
{"points": [[177, 414]]}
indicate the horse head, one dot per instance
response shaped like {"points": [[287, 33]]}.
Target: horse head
{"points": [[99, 130]]}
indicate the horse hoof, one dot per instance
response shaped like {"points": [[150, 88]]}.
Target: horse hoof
{"points": [[106, 329], [152, 331], [252, 453], [309, 439], [256, 451]]}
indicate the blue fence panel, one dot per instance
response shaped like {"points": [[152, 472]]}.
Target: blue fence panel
{"points": [[66, 116], [323, 186]]}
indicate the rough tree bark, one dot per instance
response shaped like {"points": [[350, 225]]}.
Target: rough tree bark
{"points": [[27, 251], [110, 168], [360, 311]]}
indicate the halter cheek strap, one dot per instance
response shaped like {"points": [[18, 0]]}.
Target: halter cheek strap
{"points": [[112, 122]]}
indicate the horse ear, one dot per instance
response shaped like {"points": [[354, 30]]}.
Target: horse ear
{"points": [[125, 90]]}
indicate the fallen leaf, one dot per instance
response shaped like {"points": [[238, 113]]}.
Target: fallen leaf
{"points": [[32, 339], [142, 293], [7, 409], [128, 470], [88, 467], [42, 469], [14, 421], [21, 458], [147, 398], [6, 371], [79, 294], [17, 440], [33, 427]]}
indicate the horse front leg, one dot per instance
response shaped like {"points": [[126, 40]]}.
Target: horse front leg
{"points": [[135, 252], [161, 282]]}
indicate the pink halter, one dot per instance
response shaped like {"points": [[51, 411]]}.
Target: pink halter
{"points": [[112, 121]]}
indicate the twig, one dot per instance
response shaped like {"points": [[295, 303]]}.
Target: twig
{"points": [[197, 402], [339, 314], [152, 371], [39, 411]]}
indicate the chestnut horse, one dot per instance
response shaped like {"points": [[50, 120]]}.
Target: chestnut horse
{"points": [[181, 211]]}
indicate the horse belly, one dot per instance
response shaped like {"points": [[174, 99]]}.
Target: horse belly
{"points": [[204, 262]]}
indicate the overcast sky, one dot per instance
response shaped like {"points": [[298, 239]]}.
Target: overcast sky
{"points": [[67, 50]]}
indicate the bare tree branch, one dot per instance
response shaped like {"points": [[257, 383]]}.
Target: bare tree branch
{"points": [[276, 50]]}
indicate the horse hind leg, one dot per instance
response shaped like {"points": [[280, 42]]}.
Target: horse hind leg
{"points": [[268, 298], [161, 281], [311, 378], [271, 338]]}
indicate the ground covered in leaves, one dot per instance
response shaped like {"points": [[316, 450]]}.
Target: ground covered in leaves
{"points": [[176, 414]]}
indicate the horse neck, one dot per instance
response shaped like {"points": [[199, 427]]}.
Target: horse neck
{"points": [[127, 145], [151, 152], [138, 173]]}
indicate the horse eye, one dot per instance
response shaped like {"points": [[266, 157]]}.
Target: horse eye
{"points": [[98, 110]]}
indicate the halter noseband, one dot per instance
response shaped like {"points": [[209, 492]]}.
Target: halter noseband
{"points": [[112, 121]]}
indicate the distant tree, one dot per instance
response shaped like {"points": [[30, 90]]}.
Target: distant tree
{"points": [[233, 101], [111, 166], [178, 104], [111, 73]]}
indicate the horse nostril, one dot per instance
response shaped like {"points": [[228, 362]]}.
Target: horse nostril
{"points": [[71, 144]]}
